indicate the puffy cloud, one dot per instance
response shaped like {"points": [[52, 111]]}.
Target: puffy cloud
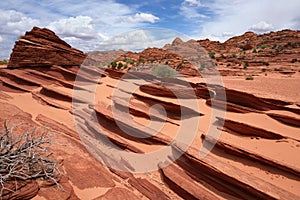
{"points": [[142, 17], [81, 24], [15, 23], [189, 9], [138, 40], [262, 26], [238, 16], [80, 27]]}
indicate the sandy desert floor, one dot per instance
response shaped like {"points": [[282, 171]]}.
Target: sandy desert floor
{"points": [[254, 150]]}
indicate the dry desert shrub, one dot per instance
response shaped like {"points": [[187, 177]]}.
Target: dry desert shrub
{"points": [[25, 156]]}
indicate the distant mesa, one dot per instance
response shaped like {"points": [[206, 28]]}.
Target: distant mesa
{"points": [[42, 47]]}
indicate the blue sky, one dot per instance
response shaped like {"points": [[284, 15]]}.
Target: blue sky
{"points": [[128, 24]]}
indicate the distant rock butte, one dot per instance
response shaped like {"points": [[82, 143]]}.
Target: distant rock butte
{"points": [[256, 49], [42, 47], [250, 40]]}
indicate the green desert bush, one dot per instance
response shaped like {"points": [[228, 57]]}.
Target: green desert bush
{"points": [[246, 65], [263, 46], [249, 77], [3, 62], [129, 60], [25, 156], [141, 60], [179, 66], [294, 60], [211, 54], [120, 65], [113, 65], [163, 71]]}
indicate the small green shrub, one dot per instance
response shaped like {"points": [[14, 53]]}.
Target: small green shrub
{"points": [[292, 44], [129, 60], [3, 62], [246, 65], [212, 54], [279, 48], [294, 60], [233, 55], [263, 46], [254, 51], [163, 71], [113, 65], [141, 60], [179, 66], [249, 77], [120, 65], [263, 69]]}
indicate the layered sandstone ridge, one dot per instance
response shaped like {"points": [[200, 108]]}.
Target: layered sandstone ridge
{"points": [[282, 47], [41, 47]]}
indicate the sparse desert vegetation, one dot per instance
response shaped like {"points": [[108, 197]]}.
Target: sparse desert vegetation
{"points": [[25, 156]]}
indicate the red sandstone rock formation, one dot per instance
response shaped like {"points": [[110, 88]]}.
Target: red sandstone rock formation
{"points": [[274, 47], [41, 47]]}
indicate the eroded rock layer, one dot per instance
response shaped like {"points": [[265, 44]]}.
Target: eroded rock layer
{"points": [[41, 47]]}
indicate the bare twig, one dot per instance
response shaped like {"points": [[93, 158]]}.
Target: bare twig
{"points": [[25, 156]]}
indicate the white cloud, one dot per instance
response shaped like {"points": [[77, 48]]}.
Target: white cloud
{"points": [[238, 16], [191, 12], [193, 2], [261, 27], [15, 23], [128, 40], [227, 34], [189, 9], [138, 40], [143, 17], [79, 27], [84, 24]]}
